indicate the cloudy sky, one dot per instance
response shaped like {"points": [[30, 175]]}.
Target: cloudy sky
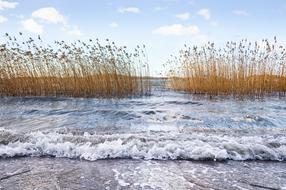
{"points": [[163, 25]]}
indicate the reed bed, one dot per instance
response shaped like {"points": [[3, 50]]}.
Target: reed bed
{"points": [[79, 69], [239, 68]]}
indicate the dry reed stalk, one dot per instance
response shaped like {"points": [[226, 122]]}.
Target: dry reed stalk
{"points": [[80, 69], [238, 69]]}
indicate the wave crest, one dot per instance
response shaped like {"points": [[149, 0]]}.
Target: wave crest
{"points": [[197, 144]]}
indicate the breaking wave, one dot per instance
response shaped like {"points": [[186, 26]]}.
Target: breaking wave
{"points": [[194, 144]]}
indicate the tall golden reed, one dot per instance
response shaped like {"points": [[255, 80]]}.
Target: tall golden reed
{"points": [[80, 69], [238, 69]]}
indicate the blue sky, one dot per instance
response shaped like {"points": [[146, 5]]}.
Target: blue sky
{"points": [[163, 25]]}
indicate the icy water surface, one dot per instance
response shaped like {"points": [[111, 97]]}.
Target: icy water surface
{"points": [[170, 131]]}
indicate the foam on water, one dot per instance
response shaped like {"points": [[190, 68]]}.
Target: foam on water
{"points": [[195, 144], [165, 126]]}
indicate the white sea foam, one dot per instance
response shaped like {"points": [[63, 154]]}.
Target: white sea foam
{"points": [[120, 181], [194, 145]]}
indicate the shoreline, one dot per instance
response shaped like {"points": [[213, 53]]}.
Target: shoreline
{"points": [[62, 173]]}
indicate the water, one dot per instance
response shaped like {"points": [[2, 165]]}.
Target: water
{"points": [[178, 133]]}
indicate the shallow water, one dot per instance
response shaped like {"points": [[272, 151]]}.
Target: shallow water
{"points": [[54, 173], [170, 126], [166, 125]]}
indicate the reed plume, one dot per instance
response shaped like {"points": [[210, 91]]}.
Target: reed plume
{"points": [[79, 69], [238, 69]]}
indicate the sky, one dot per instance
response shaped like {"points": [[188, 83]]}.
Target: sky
{"points": [[164, 26]]}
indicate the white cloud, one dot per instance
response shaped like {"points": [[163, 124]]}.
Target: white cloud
{"points": [[205, 13], [214, 23], [113, 25], [183, 16], [32, 26], [75, 31], [18, 16], [240, 12], [160, 8], [129, 10], [72, 30], [178, 30], [7, 5], [52, 15], [191, 2], [3, 19], [49, 14]]}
